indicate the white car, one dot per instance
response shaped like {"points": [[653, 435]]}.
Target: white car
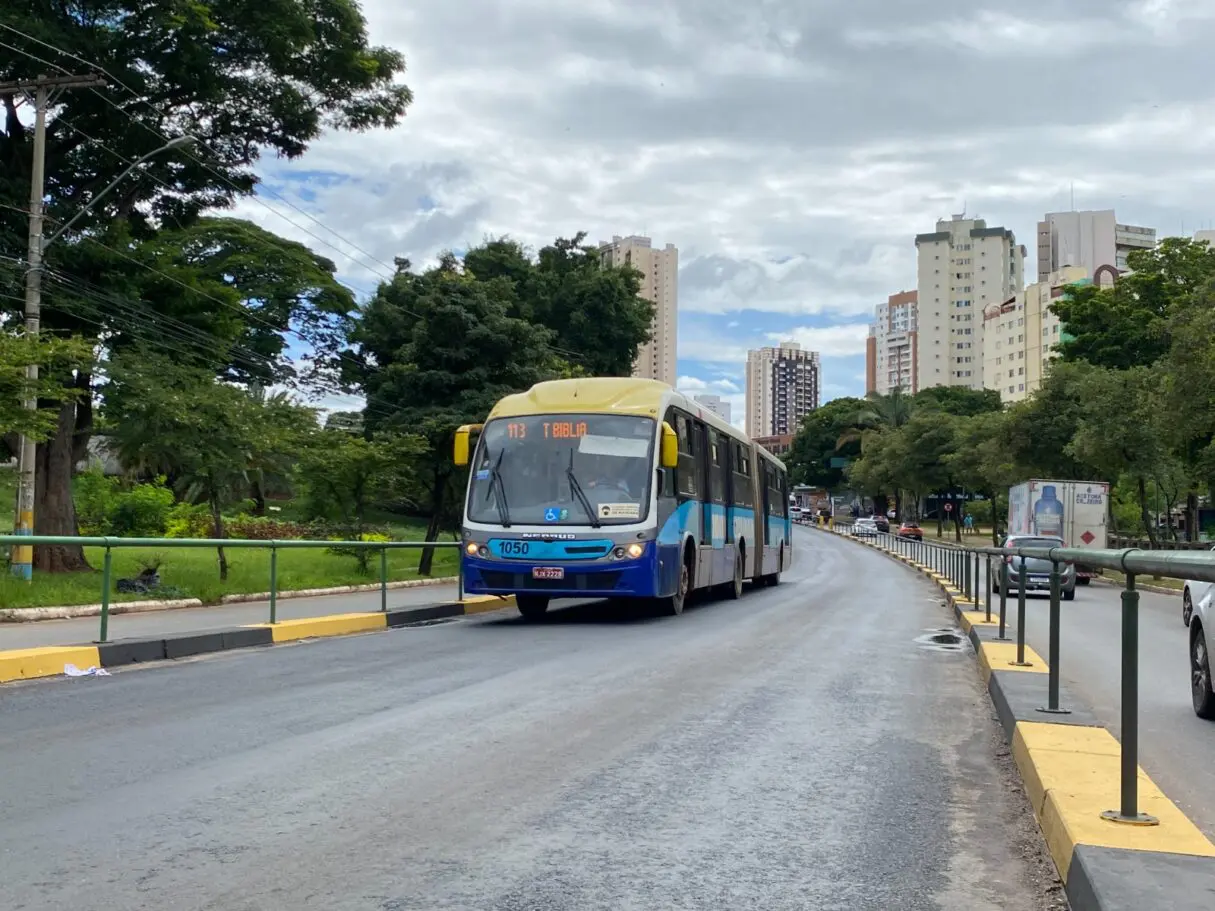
{"points": [[1193, 592], [865, 527]]}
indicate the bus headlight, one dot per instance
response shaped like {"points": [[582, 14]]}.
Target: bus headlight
{"points": [[471, 548], [618, 553], [636, 550]]}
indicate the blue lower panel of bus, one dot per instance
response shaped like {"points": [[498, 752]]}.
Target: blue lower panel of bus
{"points": [[617, 578]]}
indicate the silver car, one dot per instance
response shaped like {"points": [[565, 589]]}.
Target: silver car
{"points": [[1037, 572]]}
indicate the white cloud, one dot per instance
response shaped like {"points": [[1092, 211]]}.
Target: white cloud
{"points": [[828, 341]]}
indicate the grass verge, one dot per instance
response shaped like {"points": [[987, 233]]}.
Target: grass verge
{"points": [[194, 573]]}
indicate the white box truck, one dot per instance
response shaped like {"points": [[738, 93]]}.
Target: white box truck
{"points": [[1073, 511]]}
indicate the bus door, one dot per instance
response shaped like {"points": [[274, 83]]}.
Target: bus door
{"points": [[704, 454]]}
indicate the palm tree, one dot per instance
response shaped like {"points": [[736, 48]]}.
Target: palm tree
{"points": [[881, 413]]}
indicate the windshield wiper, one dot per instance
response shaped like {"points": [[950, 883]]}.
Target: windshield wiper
{"points": [[576, 488], [496, 488]]}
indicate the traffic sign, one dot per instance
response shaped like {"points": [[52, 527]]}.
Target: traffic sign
{"points": [[949, 507]]}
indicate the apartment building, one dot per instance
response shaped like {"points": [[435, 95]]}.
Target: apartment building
{"points": [[783, 386], [890, 350], [714, 403], [962, 267], [660, 284], [1090, 239], [1020, 334]]}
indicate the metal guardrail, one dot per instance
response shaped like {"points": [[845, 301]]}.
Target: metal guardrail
{"points": [[274, 546], [961, 566]]}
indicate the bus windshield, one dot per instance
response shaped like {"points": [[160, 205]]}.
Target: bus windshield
{"points": [[565, 469]]}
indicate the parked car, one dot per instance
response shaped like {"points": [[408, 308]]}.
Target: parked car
{"points": [[882, 523], [911, 530], [797, 514], [865, 527], [1037, 571], [1192, 592], [1202, 644]]}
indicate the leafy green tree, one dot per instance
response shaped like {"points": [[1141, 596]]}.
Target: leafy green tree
{"points": [[879, 412], [438, 351], [1128, 325], [1120, 429], [52, 355], [244, 79], [981, 461], [179, 421], [960, 401], [1039, 430], [817, 443], [341, 476]]}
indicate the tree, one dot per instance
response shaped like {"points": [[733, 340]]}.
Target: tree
{"points": [[1039, 430], [960, 401], [52, 355], [879, 412], [1127, 325], [242, 78], [980, 461], [1120, 430], [204, 434], [437, 350], [341, 475], [817, 443], [593, 310]]}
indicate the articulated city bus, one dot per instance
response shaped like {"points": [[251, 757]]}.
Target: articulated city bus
{"points": [[617, 488]]}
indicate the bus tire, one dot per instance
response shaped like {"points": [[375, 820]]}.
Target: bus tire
{"points": [[532, 607], [673, 606], [773, 579], [735, 590]]}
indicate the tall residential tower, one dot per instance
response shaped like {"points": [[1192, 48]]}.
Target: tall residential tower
{"points": [[890, 349], [1088, 240], [963, 266], [660, 284], [782, 388]]}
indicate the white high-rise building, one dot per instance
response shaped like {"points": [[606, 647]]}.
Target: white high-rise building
{"points": [[714, 403], [782, 388], [660, 284], [890, 349], [1089, 240], [1021, 334], [963, 266]]}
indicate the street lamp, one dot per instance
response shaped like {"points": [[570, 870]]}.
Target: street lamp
{"points": [[23, 556]]}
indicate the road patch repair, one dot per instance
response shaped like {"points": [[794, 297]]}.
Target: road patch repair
{"points": [[1070, 766], [51, 661]]}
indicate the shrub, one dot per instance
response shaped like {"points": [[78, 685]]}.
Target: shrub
{"points": [[94, 494], [188, 521], [253, 528], [142, 511]]}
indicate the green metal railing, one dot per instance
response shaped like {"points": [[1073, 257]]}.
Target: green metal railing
{"points": [[961, 566], [274, 546]]}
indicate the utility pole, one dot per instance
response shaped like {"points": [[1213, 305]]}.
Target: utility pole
{"points": [[42, 86]]}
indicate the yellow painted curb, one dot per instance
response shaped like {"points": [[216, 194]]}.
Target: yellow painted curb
{"points": [[1072, 775], [483, 604], [1000, 655], [47, 661], [972, 618], [333, 625]]}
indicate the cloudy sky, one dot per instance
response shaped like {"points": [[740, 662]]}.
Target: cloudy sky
{"points": [[791, 149]]}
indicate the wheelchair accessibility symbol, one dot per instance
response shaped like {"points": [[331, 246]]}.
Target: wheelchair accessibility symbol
{"points": [[552, 515]]}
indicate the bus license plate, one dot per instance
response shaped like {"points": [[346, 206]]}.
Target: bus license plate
{"points": [[548, 572]]}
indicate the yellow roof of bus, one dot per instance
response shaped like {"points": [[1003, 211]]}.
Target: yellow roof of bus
{"points": [[616, 395]]}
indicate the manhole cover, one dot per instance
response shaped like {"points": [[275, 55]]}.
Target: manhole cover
{"points": [[942, 640]]}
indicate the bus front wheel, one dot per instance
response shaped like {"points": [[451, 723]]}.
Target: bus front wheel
{"points": [[532, 607], [673, 606]]}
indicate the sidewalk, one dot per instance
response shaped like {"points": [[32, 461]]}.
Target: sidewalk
{"points": [[198, 619]]}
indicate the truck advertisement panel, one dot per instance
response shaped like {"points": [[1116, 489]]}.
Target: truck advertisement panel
{"points": [[1073, 511]]}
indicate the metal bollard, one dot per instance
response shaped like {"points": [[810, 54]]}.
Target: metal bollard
{"points": [[1022, 580], [1129, 813], [988, 580], [274, 585], [1052, 686], [106, 571], [384, 580], [1003, 598], [968, 590], [974, 589]]}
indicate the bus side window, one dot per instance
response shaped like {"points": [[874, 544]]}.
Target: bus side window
{"points": [[686, 485]]}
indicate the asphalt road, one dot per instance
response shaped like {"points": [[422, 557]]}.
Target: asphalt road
{"points": [[1175, 746], [795, 749], [193, 619]]}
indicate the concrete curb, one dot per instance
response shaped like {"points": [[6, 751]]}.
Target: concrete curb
{"points": [[1069, 765], [31, 663], [70, 612], [1154, 589]]}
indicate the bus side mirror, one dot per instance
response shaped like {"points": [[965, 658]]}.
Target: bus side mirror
{"points": [[463, 434], [670, 447]]}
